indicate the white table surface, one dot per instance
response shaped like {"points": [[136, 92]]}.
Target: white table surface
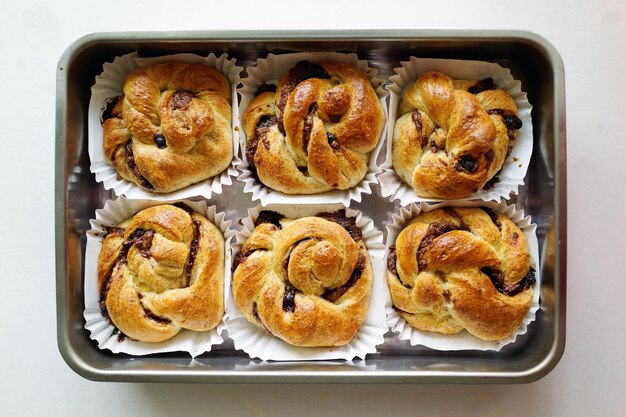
{"points": [[589, 380]]}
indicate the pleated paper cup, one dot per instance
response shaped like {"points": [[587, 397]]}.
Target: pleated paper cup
{"points": [[462, 340], [100, 327], [259, 343], [109, 84], [510, 177], [270, 70]]}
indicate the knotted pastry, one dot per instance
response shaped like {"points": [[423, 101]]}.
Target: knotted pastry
{"points": [[313, 133], [171, 128], [161, 271], [307, 281], [453, 135], [461, 268]]}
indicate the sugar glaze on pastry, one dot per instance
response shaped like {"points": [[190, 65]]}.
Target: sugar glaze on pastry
{"points": [[306, 281], [314, 131], [452, 136], [161, 271], [171, 127], [461, 268]]}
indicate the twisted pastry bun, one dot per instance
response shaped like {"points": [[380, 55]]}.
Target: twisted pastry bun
{"points": [[306, 281], [453, 135], [313, 133], [161, 271], [461, 268], [171, 128]]}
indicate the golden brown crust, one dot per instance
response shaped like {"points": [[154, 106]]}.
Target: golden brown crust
{"points": [[171, 128], [307, 283], [462, 268], [452, 137], [161, 271], [322, 122]]}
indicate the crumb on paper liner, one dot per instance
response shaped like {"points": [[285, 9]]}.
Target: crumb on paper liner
{"points": [[258, 343], [462, 340], [110, 83], [271, 69], [515, 166], [101, 329]]}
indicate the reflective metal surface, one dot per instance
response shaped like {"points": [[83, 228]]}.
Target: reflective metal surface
{"points": [[531, 60]]}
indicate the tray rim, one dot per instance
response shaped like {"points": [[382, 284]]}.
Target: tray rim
{"points": [[536, 372]]}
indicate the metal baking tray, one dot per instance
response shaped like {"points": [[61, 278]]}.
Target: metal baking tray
{"points": [[531, 59]]}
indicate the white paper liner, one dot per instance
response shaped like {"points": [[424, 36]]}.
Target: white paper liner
{"points": [[110, 84], [338, 366], [271, 70], [514, 168], [462, 340], [101, 329], [258, 343]]}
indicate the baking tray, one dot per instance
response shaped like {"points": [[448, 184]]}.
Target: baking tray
{"points": [[531, 59]]}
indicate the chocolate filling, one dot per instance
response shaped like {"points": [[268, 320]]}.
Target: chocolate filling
{"points": [[511, 121], [269, 216], [497, 278], [308, 126], [181, 99], [193, 250], [348, 223], [489, 184], [399, 310], [265, 88], [499, 112], [392, 259], [159, 140], [109, 111], [332, 140], [154, 317], [482, 85], [130, 161], [466, 163], [255, 312], [417, 120], [120, 335], [146, 243], [334, 294], [260, 134], [184, 207], [136, 237], [434, 230], [462, 225], [490, 155], [104, 291], [302, 71], [334, 118], [493, 216], [289, 299], [524, 284], [112, 230], [239, 259]]}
